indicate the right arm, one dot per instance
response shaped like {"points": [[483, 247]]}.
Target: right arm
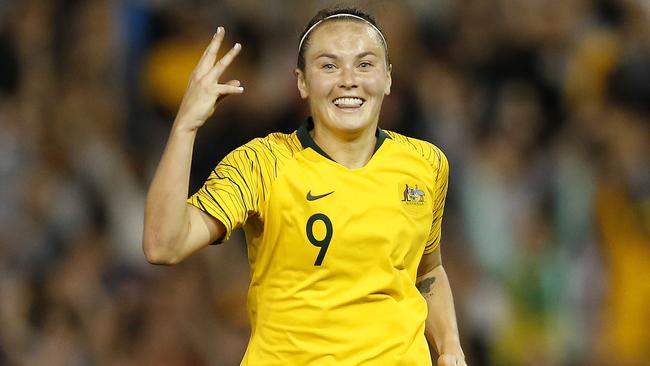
{"points": [[173, 229]]}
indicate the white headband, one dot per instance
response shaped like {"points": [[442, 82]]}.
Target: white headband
{"points": [[341, 16]]}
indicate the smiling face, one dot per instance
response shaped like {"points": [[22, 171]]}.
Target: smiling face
{"points": [[345, 77]]}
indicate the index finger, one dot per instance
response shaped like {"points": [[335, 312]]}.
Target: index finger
{"points": [[210, 54]]}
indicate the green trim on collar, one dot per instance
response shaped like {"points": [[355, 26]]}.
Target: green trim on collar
{"points": [[307, 141]]}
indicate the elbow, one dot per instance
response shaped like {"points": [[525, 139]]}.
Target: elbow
{"points": [[156, 253]]}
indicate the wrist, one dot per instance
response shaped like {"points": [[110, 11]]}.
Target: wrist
{"points": [[184, 124], [185, 127], [451, 346]]}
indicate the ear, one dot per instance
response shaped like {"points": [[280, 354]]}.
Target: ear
{"points": [[389, 80], [302, 84]]}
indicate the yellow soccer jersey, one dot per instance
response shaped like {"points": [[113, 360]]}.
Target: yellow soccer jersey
{"points": [[334, 252]]}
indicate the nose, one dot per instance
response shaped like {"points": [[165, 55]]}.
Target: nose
{"points": [[348, 78]]}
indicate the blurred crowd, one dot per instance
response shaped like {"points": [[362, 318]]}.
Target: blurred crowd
{"points": [[542, 107]]}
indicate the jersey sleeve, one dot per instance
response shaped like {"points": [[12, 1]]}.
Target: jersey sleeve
{"points": [[232, 191], [440, 166]]}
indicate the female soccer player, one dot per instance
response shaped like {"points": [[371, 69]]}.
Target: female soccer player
{"points": [[342, 219]]}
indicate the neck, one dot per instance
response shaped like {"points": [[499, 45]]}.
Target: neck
{"points": [[352, 150]]}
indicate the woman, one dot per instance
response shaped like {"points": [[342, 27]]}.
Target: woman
{"points": [[342, 219]]}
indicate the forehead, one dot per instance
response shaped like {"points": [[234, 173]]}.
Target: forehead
{"points": [[344, 35]]}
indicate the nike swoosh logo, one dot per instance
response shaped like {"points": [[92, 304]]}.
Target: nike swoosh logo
{"points": [[317, 197]]}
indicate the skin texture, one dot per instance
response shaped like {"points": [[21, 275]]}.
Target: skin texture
{"points": [[440, 326], [345, 59]]}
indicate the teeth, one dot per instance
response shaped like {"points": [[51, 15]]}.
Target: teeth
{"points": [[348, 101]]}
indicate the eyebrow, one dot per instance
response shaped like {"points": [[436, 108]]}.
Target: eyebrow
{"points": [[335, 57]]}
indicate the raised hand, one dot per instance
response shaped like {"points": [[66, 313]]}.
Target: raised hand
{"points": [[204, 90]]}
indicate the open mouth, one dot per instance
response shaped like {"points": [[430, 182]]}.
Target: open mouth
{"points": [[349, 103]]}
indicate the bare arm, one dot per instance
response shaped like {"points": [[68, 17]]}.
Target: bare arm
{"points": [[441, 329], [174, 229]]}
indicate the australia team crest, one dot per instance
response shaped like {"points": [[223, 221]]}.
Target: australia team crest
{"points": [[412, 195]]}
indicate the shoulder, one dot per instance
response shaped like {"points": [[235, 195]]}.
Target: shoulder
{"points": [[273, 147], [423, 149]]}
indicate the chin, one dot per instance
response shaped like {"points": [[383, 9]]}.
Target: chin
{"points": [[349, 122]]}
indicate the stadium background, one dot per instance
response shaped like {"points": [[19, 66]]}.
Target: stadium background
{"points": [[542, 107]]}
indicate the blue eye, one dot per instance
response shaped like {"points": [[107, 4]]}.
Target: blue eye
{"points": [[365, 65], [329, 66]]}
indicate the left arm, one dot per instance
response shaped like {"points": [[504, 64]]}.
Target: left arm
{"points": [[441, 329]]}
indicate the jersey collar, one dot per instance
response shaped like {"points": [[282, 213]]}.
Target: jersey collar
{"points": [[307, 141]]}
